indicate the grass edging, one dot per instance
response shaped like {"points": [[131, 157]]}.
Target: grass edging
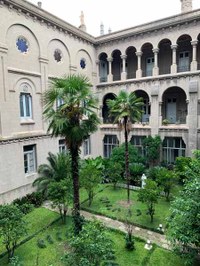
{"points": [[31, 236], [122, 220]]}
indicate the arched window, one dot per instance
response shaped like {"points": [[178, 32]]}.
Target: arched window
{"points": [[25, 105], [109, 143], [173, 148]]}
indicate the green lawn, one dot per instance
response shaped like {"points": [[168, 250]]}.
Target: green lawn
{"points": [[36, 220], [30, 254], [117, 207]]}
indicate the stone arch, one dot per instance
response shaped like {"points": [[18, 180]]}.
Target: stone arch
{"points": [[59, 58], [147, 59], [165, 56], [184, 53], [19, 36], [131, 62], [174, 106], [105, 111], [146, 107], [116, 65], [103, 67], [29, 82], [84, 62]]}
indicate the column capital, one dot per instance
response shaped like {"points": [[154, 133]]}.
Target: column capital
{"points": [[174, 46], [139, 53], [97, 62], [194, 43], [155, 50], [109, 59], [124, 56]]}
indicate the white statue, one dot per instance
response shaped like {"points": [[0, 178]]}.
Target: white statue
{"points": [[143, 179]]}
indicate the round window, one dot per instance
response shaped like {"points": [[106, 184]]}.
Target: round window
{"points": [[83, 63], [58, 55], [22, 45]]}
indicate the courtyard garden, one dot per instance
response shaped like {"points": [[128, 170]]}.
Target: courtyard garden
{"points": [[47, 243], [165, 198]]}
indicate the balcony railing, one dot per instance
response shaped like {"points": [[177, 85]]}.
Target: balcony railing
{"points": [[103, 79], [183, 68]]}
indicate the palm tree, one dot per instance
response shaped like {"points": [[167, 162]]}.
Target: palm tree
{"points": [[126, 109], [57, 169], [75, 119]]}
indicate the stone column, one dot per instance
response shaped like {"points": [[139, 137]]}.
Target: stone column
{"points": [[154, 117], [139, 69], [155, 68], [4, 72], [192, 118], [193, 65], [174, 64], [123, 74], [97, 71], [44, 81], [110, 75]]}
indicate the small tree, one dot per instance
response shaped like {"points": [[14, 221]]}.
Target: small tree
{"points": [[136, 170], [165, 178], [129, 228], [184, 223], [152, 149], [181, 165], [117, 155], [12, 227], [126, 109], [91, 247], [149, 195], [61, 195], [114, 171], [90, 177]]}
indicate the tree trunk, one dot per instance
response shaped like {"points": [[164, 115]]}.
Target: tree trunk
{"points": [[75, 176], [127, 173]]}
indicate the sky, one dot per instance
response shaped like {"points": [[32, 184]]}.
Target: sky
{"points": [[114, 14]]}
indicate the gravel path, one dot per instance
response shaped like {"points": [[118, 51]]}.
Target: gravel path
{"points": [[145, 234]]}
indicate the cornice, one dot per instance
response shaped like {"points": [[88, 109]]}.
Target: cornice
{"points": [[146, 80], [155, 27], [51, 21], [10, 140], [43, 17]]}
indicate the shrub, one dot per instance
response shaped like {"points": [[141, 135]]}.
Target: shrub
{"points": [[41, 243], [25, 208], [49, 239], [35, 198]]}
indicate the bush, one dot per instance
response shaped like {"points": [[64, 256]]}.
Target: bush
{"points": [[35, 198], [15, 261], [41, 243], [25, 208], [49, 239]]}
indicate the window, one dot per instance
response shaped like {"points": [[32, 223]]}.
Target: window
{"points": [[25, 105], [149, 66], [137, 142], [87, 147], [62, 145], [29, 159], [172, 148], [184, 61], [22, 45], [82, 63], [59, 102], [109, 143], [58, 55]]}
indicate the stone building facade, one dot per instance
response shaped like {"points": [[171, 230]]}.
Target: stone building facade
{"points": [[159, 61]]}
